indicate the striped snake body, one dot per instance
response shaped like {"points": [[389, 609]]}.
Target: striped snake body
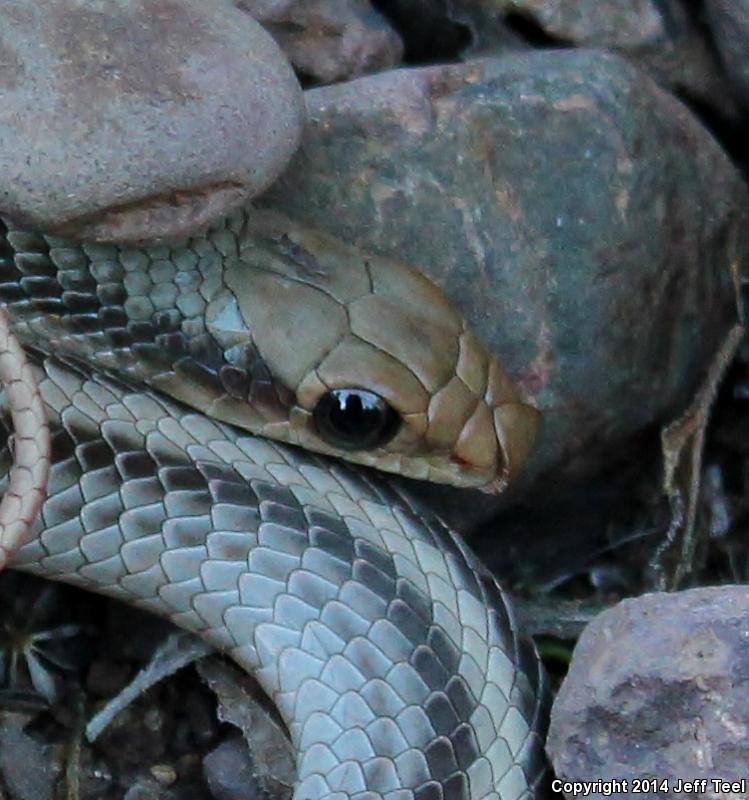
{"points": [[391, 654]]}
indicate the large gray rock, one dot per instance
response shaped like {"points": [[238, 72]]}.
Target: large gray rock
{"points": [[552, 195], [126, 121], [329, 40], [658, 686], [729, 20]]}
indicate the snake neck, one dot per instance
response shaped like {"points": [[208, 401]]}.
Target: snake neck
{"points": [[393, 659]]}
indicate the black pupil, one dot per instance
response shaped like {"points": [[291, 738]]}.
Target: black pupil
{"points": [[355, 419]]}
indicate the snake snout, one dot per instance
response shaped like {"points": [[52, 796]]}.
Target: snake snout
{"points": [[495, 445], [483, 420]]}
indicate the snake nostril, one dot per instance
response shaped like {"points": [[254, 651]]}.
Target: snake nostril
{"points": [[355, 419]]}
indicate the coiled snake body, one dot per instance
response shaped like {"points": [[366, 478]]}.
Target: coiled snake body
{"points": [[391, 654]]}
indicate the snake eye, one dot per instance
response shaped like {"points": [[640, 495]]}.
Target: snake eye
{"points": [[355, 419]]}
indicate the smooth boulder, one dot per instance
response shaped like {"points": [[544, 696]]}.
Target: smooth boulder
{"points": [[139, 121]]}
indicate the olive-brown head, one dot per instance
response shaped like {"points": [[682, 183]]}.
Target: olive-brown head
{"points": [[376, 364]]}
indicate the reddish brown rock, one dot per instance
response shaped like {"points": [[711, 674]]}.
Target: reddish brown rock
{"points": [[329, 40], [142, 120], [658, 686]]}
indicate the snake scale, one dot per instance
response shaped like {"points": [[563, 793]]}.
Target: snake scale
{"points": [[392, 655]]}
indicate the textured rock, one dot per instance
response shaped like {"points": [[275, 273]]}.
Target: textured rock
{"points": [[329, 40], [552, 196], [664, 37], [658, 685], [613, 23], [729, 20], [171, 113], [25, 765]]}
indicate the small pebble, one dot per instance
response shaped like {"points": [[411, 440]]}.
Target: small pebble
{"points": [[165, 774], [153, 719]]}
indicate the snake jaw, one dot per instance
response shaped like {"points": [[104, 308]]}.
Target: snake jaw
{"points": [[469, 436]]}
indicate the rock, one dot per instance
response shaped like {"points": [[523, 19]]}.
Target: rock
{"points": [[551, 195], [329, 40], [230, 773], [25, 765], [601, 23], [270, 756], [164, 774], [172, 112], [658, 686], [145, 789], [685, 62], [663, 37], [729, 21]]}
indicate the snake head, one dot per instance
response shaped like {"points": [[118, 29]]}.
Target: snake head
{"points": [[378, 367]]}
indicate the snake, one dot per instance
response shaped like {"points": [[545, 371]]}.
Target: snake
{"points": [[226, 415]]}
